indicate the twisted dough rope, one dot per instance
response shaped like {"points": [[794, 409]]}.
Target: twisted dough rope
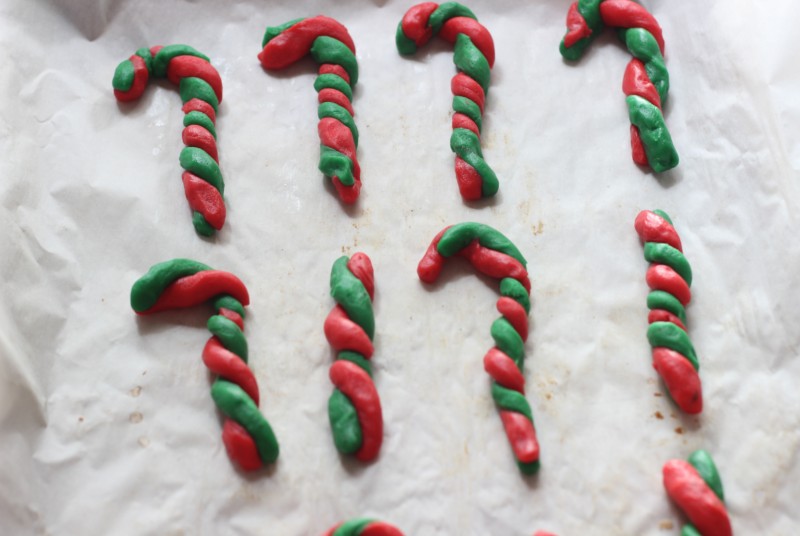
{"points": [[200, 88], [331, 46], [669, 277], [363, 527], [646, 80], [181, 283], [354, 407], [697, 490], [494, 255], [474, 58]]}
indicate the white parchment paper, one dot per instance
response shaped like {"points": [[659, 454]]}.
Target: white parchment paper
{"points": [[106, 423]]}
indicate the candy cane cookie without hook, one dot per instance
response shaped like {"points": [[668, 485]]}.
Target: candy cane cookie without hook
{"points": [[363, 527], [494, 255], [354, 407], [474, 58], [331, 46], [669, 278], [695, 486], [181, 283], [646, 80], [200, 88]]}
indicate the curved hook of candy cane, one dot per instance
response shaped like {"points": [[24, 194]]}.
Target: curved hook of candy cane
{"points": [[182, 283], [695, 486], [200, 88], [646, 80], [474, 58], [363, 527], [331, 46], [494, 255], [669, 278], [354, 408]]}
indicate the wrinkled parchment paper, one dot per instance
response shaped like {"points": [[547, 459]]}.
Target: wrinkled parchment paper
{"points": [[106, 423]]}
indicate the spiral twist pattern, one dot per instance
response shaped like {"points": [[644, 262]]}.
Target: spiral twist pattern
{"points": [[200, 88], [363, 527], [494, 255], [669, 278], [646, 80], [331, 46], [354, 407], [474, 58], [695, 486], [181, 283]]}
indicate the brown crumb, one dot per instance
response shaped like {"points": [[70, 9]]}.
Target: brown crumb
{"points": [[80, 419], [136, 417], [666, 525], [659, 416], [136, 391], [144, 442], [678, 430], [548, 396], [657, 394]]}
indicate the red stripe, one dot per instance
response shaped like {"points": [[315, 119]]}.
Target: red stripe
{"points": [[515, 314], [473, 29], [332, 68], [140, 77], [233, 316], [230, 366], [415, 23], [205, 199], [660, 315], [503, 370], [663, 277], [379, 528], [637, 82], [344, 334], [334, 95], [470, 182], [495, 263], [577, 28], [680, 378], [356, 384], [199, 288], [464, 86], [462, 121], [628, 14], [521, 435], [361, 267], [295, 42], [198, 136], [430, 266], [185, 66], [240, 446], [689, 491], [197, 105], [653, 228]]}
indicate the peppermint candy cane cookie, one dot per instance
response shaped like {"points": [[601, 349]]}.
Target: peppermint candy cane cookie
{"points": [[354, 407], [331, 46], [494, 255], [669, 278], [695, 486], [181, 283], [646, 80], [474, 58], [200, 88], [363, 527]]}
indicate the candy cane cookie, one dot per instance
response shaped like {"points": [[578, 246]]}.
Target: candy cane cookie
{"points": [[492, 254], [363, 527], [669, 278], [181, 283], [354, 408], [695, 486], [200, 88], [331, 46], [646, 80], [474, 58]]}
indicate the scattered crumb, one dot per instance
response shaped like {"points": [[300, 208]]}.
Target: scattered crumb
{"points": [[136, 417], [657, 394], [659, 416], [651, 381], [537, 229], [672, 414], [678, 430], [144, 442], [136, 391], [80, 419], [548, 396], [666, 525], [143, 373]]}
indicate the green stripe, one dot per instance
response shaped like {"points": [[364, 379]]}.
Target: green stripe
{"points": [[467, 145], [229, 335], [471, 61], [234, 402], [689, 530], [590, 10], [148, 288], [356, 359], [508, 341], [468, 107], [274, 31], [530, 468], [663, 253], [335, 164], [124, 75], [447, 11], [658, 299], [704, 464], [663, 215], [353, 527], [197, 161], [335, 111], [196, 117], [329, 50], [661, 154], [643, 45], [405, 45], [333, 81], [192, 87], [347, 435], [668, 335], [163, 57], [511, 400], [460, 235], [230, 303], [513, 289], [349, 292], [201, 225]]}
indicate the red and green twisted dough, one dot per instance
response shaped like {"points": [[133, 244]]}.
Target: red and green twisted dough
{"points": [[200, 88], [363, 527], [695, 486], [354, 407], [331, 46], [181, 283], [669, 278], [474, 58], [646, 80], [494, 255]]}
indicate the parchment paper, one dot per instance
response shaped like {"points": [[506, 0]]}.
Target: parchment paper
{"points": [[106, 423]]}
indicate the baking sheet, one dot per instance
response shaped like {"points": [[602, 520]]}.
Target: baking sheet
{"points": [[106, 423]]}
